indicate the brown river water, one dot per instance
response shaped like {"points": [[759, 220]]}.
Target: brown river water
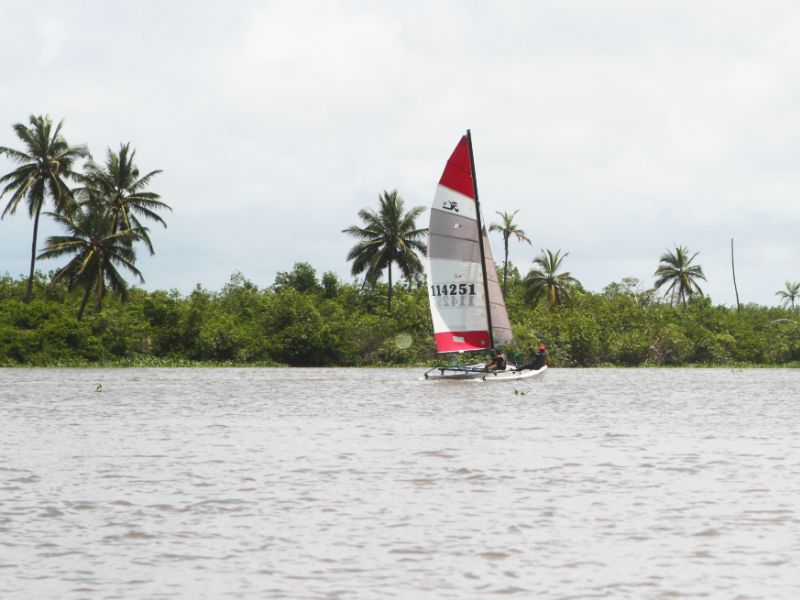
{"points": [[370, 483]]}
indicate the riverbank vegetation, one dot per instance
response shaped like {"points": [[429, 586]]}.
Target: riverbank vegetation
{"points": [[304, 319]]}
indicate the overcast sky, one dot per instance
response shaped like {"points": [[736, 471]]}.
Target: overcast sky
{"points": [[619, 128]]}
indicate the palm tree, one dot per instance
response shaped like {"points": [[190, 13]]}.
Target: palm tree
{"points": [[547, 281], [790, 294], [677, 270], [388, 236], [45, 164], [119, 181], [508, 228], [97, 251]]}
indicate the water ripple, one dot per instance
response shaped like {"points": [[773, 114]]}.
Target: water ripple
{"points": [[216, 483]]}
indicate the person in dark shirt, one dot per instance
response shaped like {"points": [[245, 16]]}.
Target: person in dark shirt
{"points": [[498, 362], [540, 359], [537, 359]]}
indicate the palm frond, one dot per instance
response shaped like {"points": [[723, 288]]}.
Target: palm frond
{"points": [[22, 189], [17, 156]]}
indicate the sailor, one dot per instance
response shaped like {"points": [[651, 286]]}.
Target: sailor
{"points": [[540, 359], [498, 362]]}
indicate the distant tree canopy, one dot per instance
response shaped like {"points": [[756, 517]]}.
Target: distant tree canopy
{"points": [[790, 293], [679, 275], [547, 280], [387, 237], [305, 320], [507, 228], [302, 278]]}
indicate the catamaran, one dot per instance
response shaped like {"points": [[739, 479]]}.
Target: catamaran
{"points": [[462, 279]]}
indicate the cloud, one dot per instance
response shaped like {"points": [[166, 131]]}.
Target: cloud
{"points": [[618, 129]]}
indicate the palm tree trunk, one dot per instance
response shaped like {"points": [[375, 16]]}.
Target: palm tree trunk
{"points": [[84, 301], [505, 265], [100, 291], [390, 287], [29, 293]]}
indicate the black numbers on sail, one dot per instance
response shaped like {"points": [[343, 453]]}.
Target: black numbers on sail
{"points": [[453, 289]]}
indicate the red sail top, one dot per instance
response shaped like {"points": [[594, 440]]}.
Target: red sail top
{"points": [[458, 173]]}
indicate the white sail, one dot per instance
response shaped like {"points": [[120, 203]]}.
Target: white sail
{"points": [[501, 326]]}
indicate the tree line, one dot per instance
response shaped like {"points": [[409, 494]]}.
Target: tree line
{"points": [[304, 319]]}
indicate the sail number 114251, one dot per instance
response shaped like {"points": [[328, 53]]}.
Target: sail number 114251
{"points": [[453, 289]]}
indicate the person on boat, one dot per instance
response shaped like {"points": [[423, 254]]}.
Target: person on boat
{"points": [[498, 362], [540, 359], [537, 359]]}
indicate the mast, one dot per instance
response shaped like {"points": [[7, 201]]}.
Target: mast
{"points": [[480, 241]]}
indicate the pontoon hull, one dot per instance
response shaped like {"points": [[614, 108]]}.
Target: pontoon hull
{"points": [[455, 374]]}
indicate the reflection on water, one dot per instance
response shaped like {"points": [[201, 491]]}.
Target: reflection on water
{"points": [[349, 483]]}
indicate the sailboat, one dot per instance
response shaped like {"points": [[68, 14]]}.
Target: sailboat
{"points": [[467, 306]]}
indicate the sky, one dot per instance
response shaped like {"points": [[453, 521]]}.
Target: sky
{"points": [[618, 129]]}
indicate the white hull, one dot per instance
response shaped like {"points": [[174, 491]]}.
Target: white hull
{"points": [[455, 374], [513, 375]]}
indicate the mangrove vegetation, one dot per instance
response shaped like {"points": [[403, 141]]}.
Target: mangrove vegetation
{"points": [[304, 319]]}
